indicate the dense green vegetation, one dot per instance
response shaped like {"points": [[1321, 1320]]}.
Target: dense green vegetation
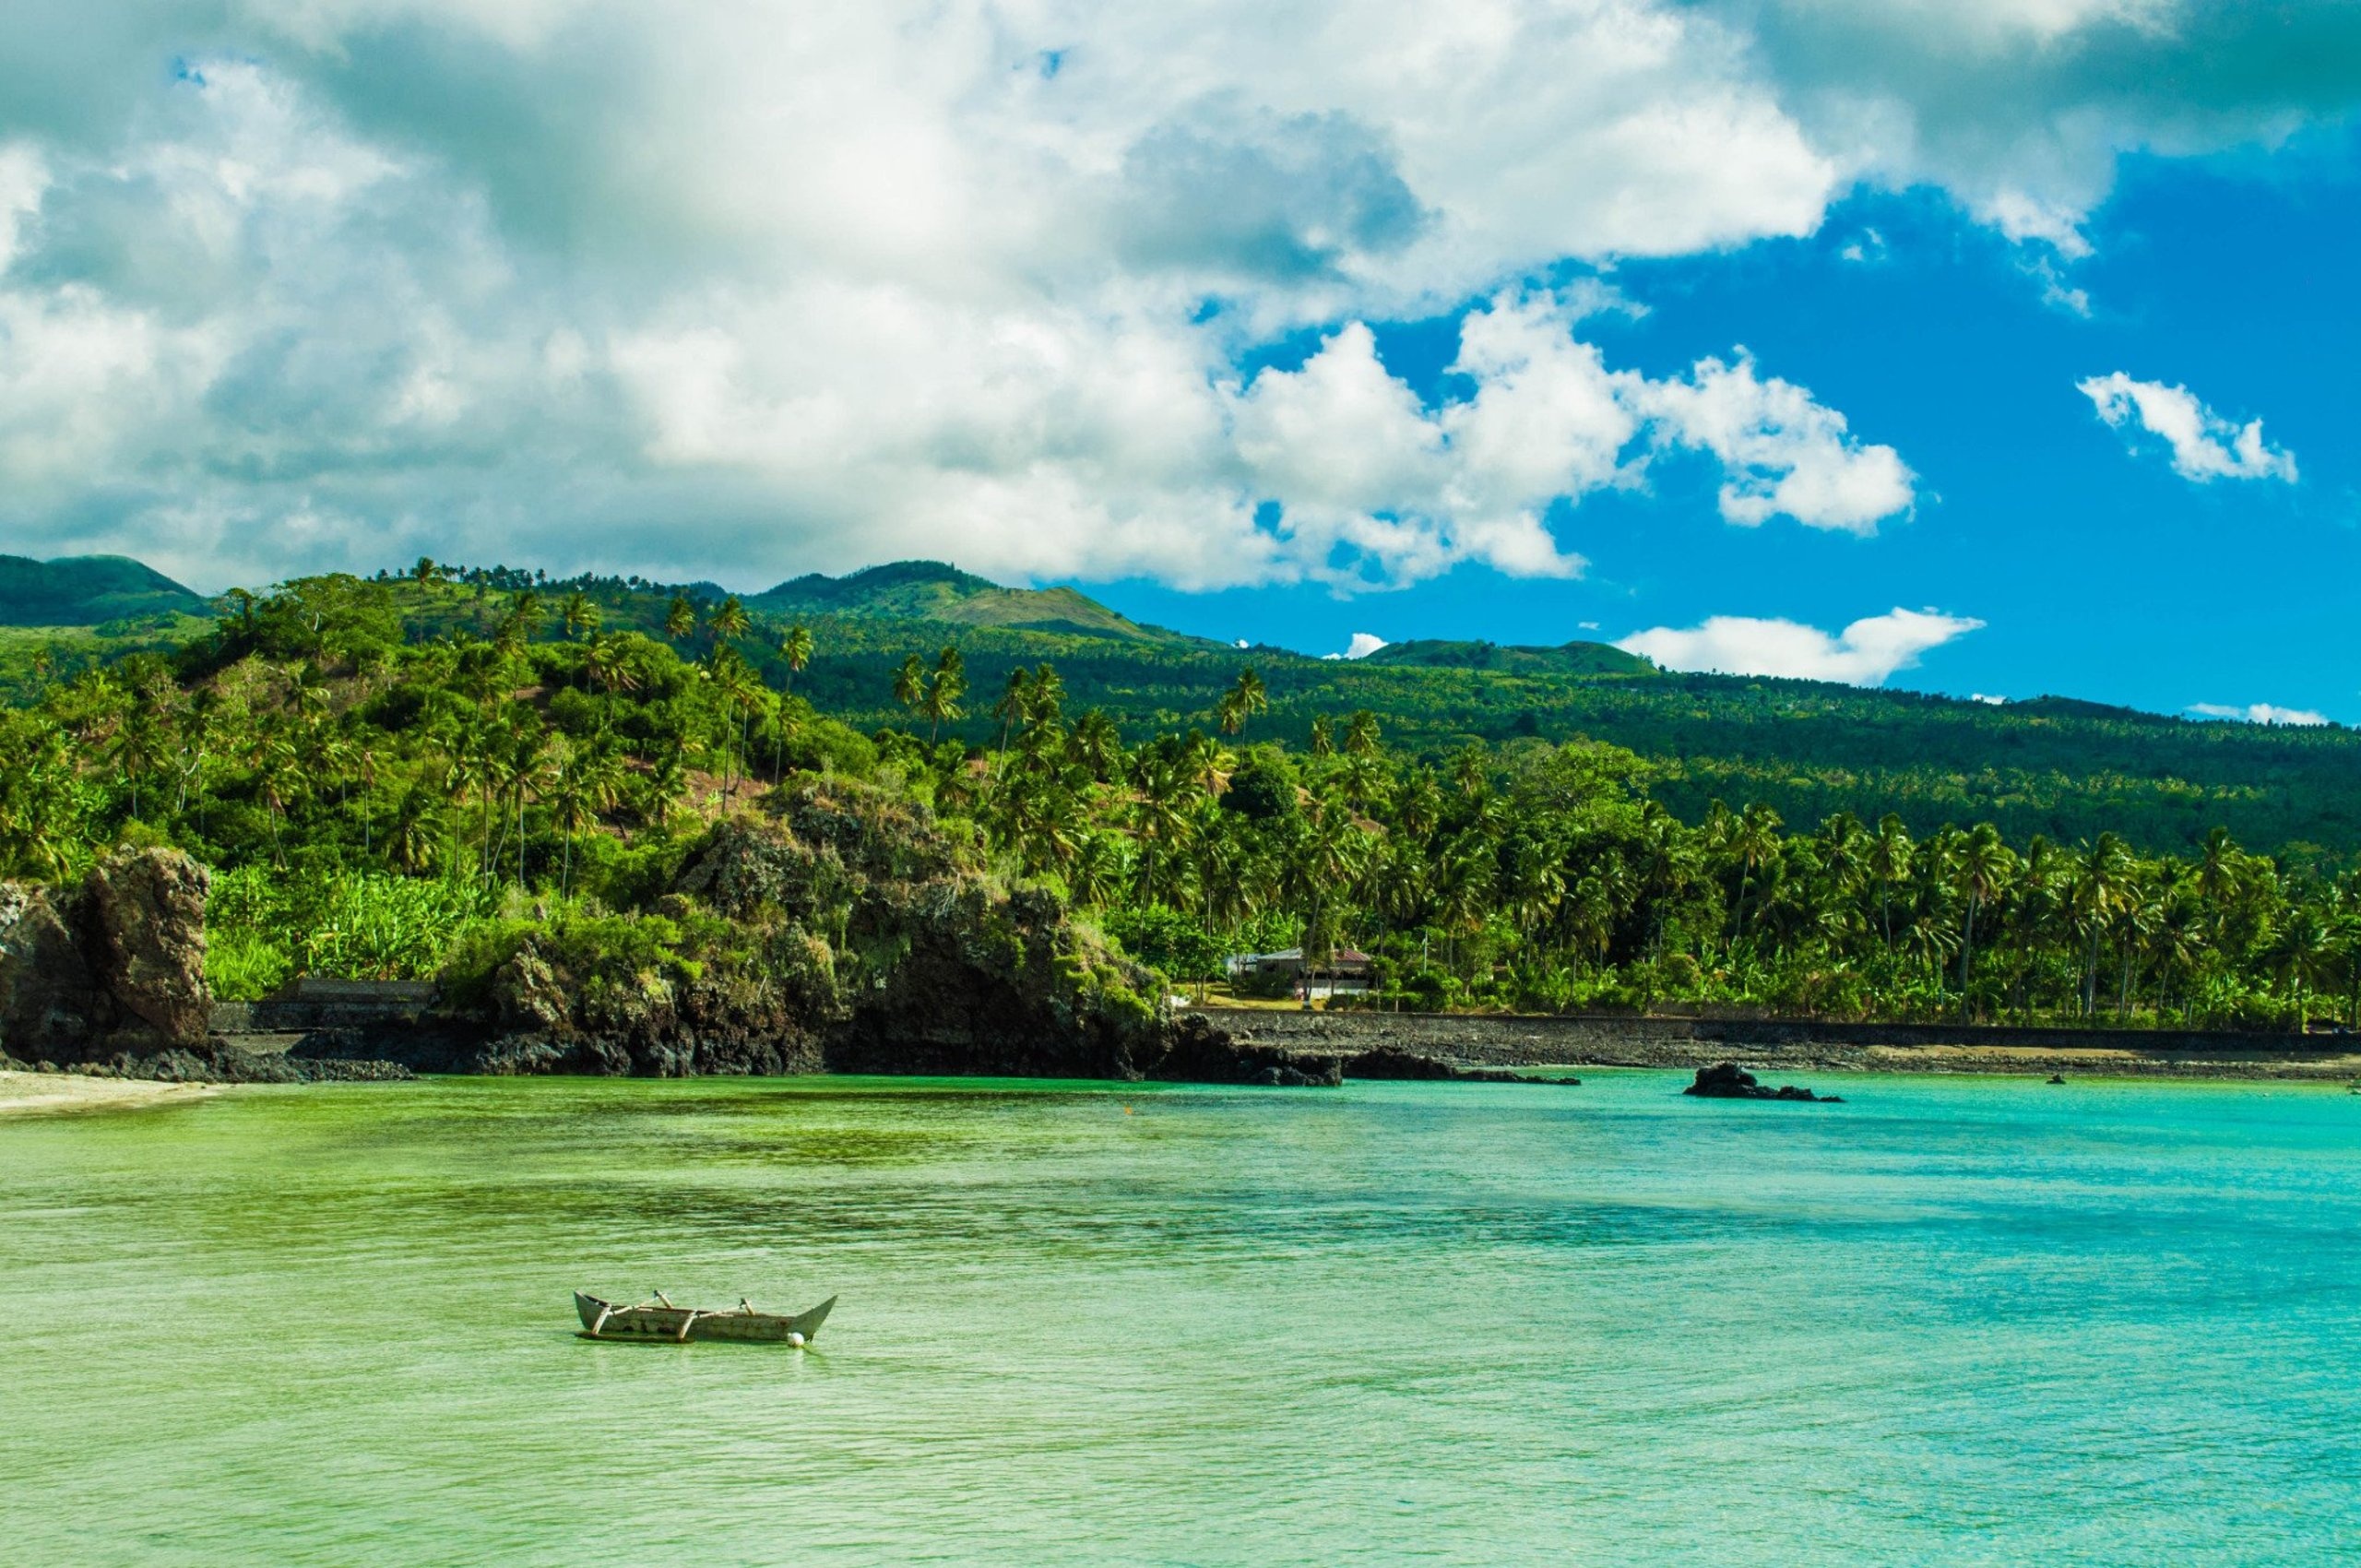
{"points": [[384, 769]]}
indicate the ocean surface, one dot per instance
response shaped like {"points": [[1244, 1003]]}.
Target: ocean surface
{"points": [[1952, 1321]]}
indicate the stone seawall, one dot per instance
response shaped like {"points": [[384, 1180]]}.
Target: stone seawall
{"points": [[1496, 1040]]}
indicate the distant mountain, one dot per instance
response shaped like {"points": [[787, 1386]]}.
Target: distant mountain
{"points": [[929, 590], [1572, 658], [85, 590]]}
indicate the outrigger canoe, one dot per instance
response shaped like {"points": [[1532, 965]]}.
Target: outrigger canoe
{"points": [[660, 1320]]}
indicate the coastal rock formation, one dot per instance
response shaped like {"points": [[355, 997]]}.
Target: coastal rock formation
{"points": [[117, 962], [1390, 1061], [838, 930], [146, 925], [47, 997], [1727, 1080]]}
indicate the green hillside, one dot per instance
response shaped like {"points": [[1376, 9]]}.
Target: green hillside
{"points": [[414, 775], [2056, 766], [929, 590], [84, 590], [2051, 765]]}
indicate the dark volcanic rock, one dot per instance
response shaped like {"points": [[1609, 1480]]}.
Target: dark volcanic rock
{"points": [[841, 931], [216, 1063], [146, 915], [1391, 1062], [1727, 1080], [118, 962], [49, 1002]]}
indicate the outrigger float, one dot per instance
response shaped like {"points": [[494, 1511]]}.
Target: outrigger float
{"points": [[660, 1320]]}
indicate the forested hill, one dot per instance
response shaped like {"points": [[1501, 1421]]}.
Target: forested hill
{"points": [[929, 590], [2066, 769], [85, 590]]}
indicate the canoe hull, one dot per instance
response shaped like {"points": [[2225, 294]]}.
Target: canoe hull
{"points": [[683, 1326]]}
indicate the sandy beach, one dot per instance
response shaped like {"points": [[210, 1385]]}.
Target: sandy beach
{"points": [[32, 1094]]}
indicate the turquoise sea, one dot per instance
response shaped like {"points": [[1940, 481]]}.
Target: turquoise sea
{"points": [[1952, 1321]]}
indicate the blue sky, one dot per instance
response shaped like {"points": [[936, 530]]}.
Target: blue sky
{"points": [[2098, 570], [1993, 348]]}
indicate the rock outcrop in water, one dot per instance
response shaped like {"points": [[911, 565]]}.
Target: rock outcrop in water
{"points": [[1727, 1080], [115, 964], [838, 930]]}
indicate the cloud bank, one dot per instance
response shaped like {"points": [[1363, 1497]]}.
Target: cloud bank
{"points": [[701, 289], [1863, 653], [2258, 713], [2204, 445]]}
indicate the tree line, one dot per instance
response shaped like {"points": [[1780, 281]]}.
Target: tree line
{"points": [[367, 791]]}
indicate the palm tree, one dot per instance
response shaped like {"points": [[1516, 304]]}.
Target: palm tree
{"points": [[1327, 856], [735, 682], [1159, 823], [1360, 734], [523, 620], [942, 693], [608, 663], [1890, 866], [909, 683], [1753, 845], [2299, 955], [579, 612], [1045, 698], [795, 648], [679, 619], [1097, 745], [1461, 885], [1980, 872], [1246, 697], [730, 619], [1014, 705], [2096, 897]]}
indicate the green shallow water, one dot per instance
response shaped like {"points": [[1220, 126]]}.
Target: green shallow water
{"points": [[1954, 1321]]}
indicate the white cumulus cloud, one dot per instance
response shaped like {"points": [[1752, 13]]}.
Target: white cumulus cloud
{"points": [[699, 289], [1785, 454], [1361, 646], [1863, 653], [2204, 444], [2258, 713]]}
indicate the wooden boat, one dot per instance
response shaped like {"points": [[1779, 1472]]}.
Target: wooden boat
{"points": [[660, 1320]]}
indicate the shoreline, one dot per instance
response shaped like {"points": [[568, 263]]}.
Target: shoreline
{"points": [[45, 1094], [1480, 1042]]}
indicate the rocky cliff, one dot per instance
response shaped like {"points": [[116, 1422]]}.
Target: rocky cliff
{"points": [[836, 929], [115, 964]]}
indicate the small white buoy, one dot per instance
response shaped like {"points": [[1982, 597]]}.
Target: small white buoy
{"points": [[795, 1339]]}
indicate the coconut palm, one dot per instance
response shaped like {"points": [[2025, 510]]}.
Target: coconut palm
{"points": [[909, 683], [1246, 697], [1980, 870], [580, 614], [941, 702]]}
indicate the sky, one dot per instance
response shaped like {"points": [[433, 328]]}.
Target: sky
{"points": [[1996, 348]]}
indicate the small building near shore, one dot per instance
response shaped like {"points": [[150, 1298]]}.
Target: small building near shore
{"points": [[1344, 972]]}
